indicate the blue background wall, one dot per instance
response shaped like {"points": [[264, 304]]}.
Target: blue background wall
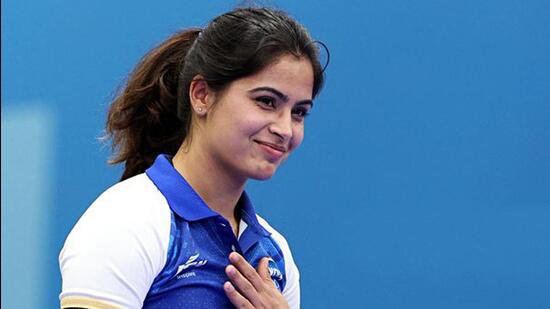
{"points": [[423, 182]]}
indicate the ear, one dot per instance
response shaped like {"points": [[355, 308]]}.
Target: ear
{"points": [[200, 95]]}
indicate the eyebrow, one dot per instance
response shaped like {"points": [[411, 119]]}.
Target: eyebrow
{"points": [[280, 95]]}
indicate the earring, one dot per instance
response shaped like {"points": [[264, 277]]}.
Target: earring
{"points": [[200, 110]]}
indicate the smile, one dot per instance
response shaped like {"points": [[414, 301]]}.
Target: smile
{"points": [[274, 151]]}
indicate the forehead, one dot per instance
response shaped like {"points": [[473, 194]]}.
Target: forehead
{"points": [[289, 74]]}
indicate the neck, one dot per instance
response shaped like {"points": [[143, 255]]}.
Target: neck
{"points": [[218, 189]]}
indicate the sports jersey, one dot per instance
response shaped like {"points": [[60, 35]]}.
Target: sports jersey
{"points": [[150, 241]]}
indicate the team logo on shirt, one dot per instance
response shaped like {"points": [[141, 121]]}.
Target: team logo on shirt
{"points": [[275, 273], [192, 262]]}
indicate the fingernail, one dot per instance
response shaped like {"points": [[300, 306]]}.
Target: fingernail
{"points": [[228, 287], [233, 257], [230, 270]]}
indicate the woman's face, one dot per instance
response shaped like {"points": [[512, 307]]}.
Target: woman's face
{"points": [[257, 121]]}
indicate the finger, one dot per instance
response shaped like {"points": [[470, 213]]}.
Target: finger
{"points": [[235, 297], [246, 269], [242, 284], [263, 269]]}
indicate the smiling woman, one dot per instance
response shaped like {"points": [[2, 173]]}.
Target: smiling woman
{"points": [[201, 114], [256, 123]]}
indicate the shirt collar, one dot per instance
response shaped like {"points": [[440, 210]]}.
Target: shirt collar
{"points": [[248, 214], [186, 203]]}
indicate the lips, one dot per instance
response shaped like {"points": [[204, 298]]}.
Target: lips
{"points": [[273, 150], [274, 146]]}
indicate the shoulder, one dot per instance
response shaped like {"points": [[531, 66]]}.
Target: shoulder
{"points": [[130, 206], [135, 200], [278, 237], [138, 193], [118, 245]]}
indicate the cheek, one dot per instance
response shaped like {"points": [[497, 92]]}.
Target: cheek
{"points": [[252, 123], [234, 129], [297, 137], [235, 138]]}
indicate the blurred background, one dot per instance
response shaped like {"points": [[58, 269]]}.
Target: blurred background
{"points": [[423, 181]]}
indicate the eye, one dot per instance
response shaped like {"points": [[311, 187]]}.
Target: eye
{"points": [[300, 112], [266, 101]]}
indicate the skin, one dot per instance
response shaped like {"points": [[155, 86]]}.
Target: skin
{"points": [[245, 131], [254, 286]]}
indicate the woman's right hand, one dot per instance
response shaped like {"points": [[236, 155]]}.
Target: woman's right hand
{"points": [[251, 288]]}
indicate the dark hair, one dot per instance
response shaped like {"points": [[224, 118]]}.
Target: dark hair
{"points": [[152, 114]]}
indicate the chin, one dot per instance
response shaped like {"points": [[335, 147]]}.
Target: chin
{"points": [[263, 173], [261, 177]]}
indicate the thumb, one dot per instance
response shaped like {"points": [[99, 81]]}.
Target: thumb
{"points": [[263, 269]]}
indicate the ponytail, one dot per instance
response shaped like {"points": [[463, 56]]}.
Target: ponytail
{"points": [[143, 121]]}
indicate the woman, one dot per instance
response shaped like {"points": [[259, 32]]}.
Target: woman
{"points": [[200, 115]]}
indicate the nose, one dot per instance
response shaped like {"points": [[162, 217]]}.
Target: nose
{"points": [[282, 126]]}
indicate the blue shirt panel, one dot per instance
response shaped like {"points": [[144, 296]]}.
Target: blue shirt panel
{"points": [[200, 243]]}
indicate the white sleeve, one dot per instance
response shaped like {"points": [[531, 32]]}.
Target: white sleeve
{"points": [[118, 246], [292, 288]]}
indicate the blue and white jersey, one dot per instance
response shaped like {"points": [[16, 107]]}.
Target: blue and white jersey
{"points": [[152, 242]]}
